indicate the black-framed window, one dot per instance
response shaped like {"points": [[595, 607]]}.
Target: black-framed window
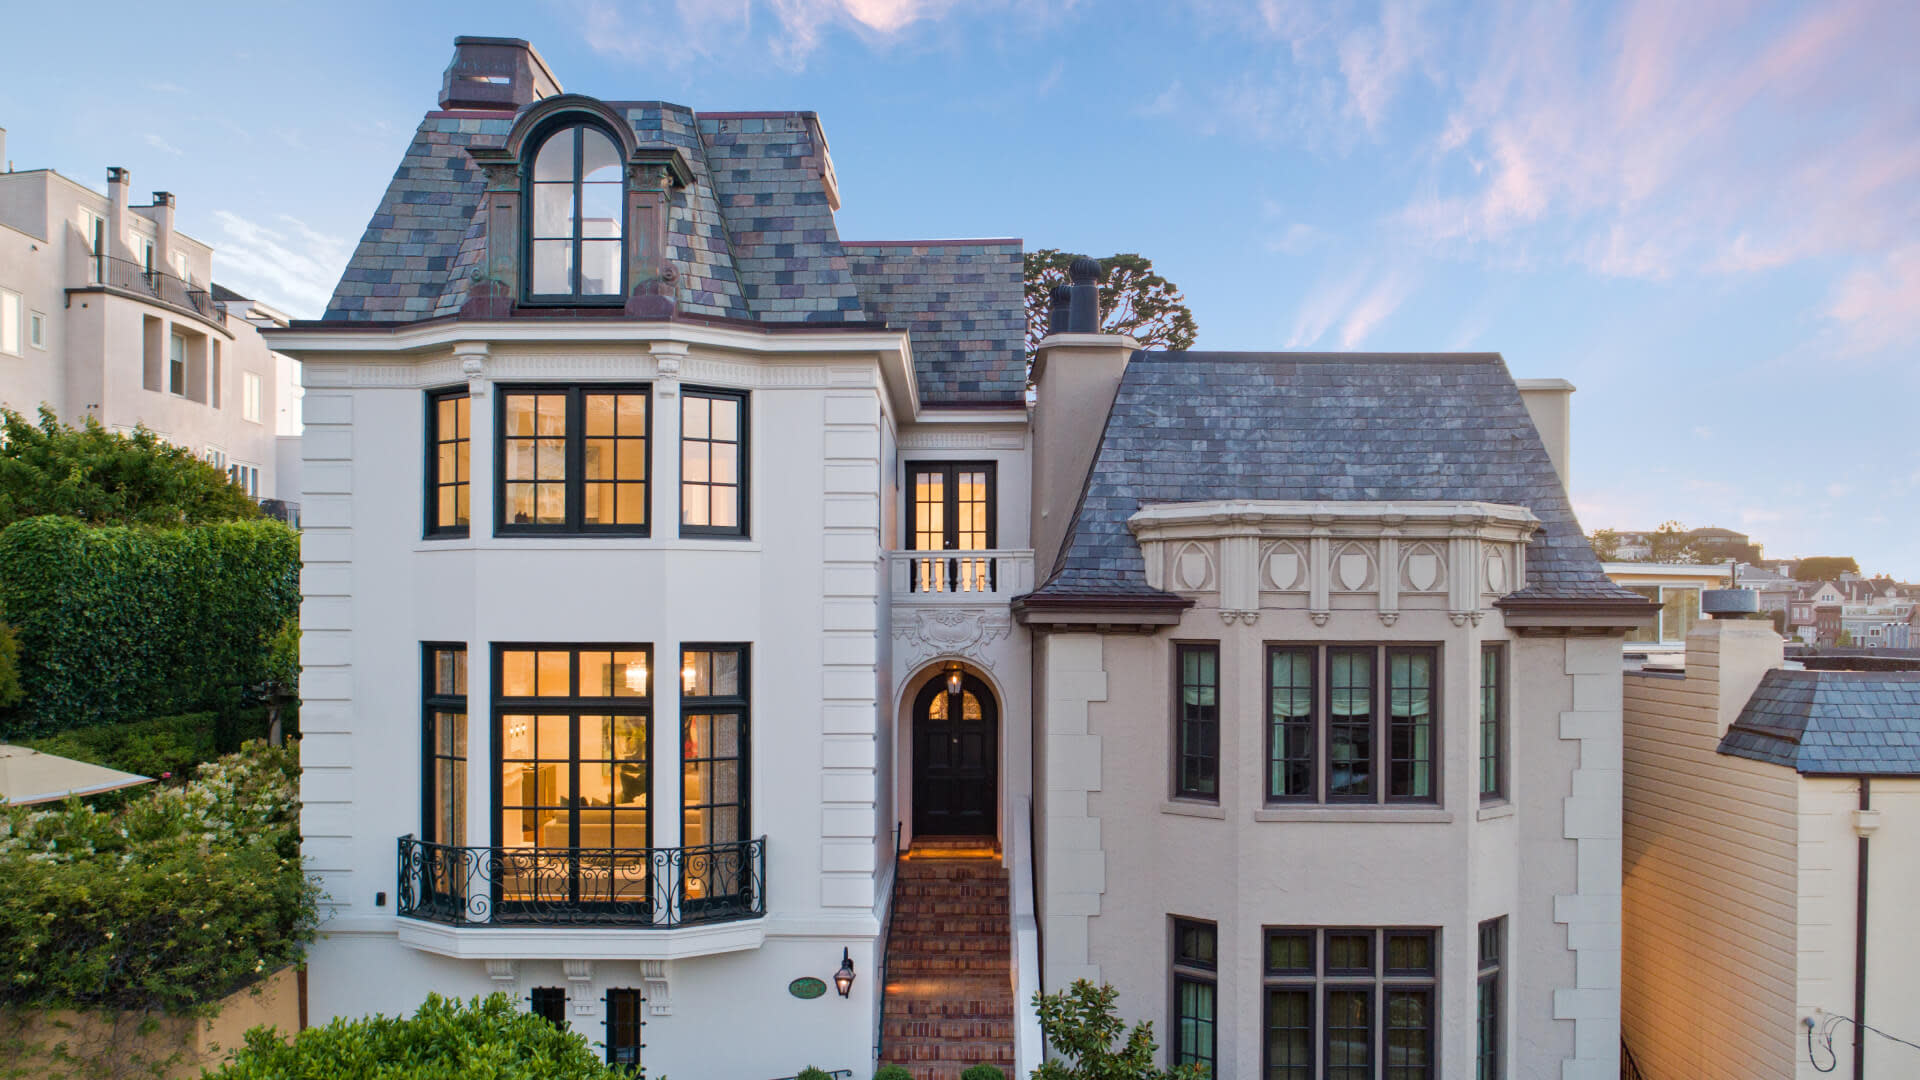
{"points": [[444, 716], [952, 506], [1195, 990], [573, 772], [1493, 725], [713, 463], [714, 763], [1350, 1003], [1197, 721], [1490, 998], [449, 462], [576, 217], [573, 459], [1366, 711], [550, 1004], [624, 1024]]}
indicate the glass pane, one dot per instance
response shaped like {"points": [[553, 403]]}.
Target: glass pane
{"points": [[1289, 1034], [1350, 953], [631, 458], [550, 459], [552, 211], [550, 504], [596, 680], [599, 156], [695, 508], [516, 673], [693, 462], [597, 504], [1680, 612], [726, 419], [519, 508], [633, 414], [631, 675], [694, 414], [1349, 1035], [600, 210], [553, 741], [556, 675], [552, 266], [516, 738], [1645, 633], [1194, 943], [726, 507], [630, 739], [725, 463], [520, 414], [555, 160], [599, 267], [726, 735], [1290, 953], [1409, 954], [726, 674], [596, 781], [600, 415], [630, 504], [599, 459]]}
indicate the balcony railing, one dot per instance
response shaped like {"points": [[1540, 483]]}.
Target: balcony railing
{"points": [[158, 284], [613, 887], [957, 575]]}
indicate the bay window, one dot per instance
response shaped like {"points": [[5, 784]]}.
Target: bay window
{"points": [[573, 459], [1350, 1003], [449, 461], [713, 771], [444, 813], [1197, 722]]}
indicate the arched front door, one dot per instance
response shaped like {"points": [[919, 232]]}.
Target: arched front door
{"points": [[955, 759]]}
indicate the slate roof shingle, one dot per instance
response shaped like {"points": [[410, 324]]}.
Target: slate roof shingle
{"points": [[1196, 426], [1825, 723], [753, 236]]}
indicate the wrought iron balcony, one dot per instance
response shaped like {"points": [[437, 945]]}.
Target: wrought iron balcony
{"points": [[576, 887], [984, 576], [157, 284]]}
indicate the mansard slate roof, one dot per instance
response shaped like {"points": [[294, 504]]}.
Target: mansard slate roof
{"points": [[753, 236], [1198, 426], [1849, 723]]}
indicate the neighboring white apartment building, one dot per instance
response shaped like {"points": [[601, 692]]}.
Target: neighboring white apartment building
{"points": [[672, 564], [109, 313], [1772, 828]]}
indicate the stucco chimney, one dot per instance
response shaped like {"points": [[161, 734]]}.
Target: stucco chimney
{"points": [[1550, 403], [117, 181], [495, 73], [1076, 373], [163, 232], [1734, 655]]}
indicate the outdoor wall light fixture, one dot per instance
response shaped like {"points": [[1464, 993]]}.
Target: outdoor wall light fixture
{"points": [[843, 979], [637, 676], [688, 676], [953, 678]]}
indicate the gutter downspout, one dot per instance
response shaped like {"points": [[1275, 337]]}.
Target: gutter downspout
{"points": [[1865, 821]]}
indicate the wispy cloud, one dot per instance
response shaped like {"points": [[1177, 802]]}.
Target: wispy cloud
{"points": [[162, 145], [790, 31], [1374, 308], [1349, 307], [1880, 305], [289, 265]]}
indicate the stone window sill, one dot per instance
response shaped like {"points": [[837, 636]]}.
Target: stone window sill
{"points": [[1495, 810], [1396, 815], [1182, 808]]}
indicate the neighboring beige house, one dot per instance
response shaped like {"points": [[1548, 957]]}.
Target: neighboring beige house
{"points": [[1760, 803], [1676, 587], [108, 312]]}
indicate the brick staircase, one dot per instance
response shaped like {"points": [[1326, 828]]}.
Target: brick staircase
{"points": [[949, 989]]}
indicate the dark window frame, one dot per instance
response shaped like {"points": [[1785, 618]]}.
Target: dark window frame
{"points": [[950, 503], [1378, 982], [1277, 757], [625, 1039], [433, 529], [1208, 729], [560, 125], [741, 706], [1493, 744], [742, 530], [1490, 989], [550, 1004], [1189, 971], [1380, 729], [432, 702], [575, 451]]}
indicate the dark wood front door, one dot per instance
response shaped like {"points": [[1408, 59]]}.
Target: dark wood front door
{"points": [[955, 759]]}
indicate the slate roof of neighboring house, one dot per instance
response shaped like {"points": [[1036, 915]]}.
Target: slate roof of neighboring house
{"points": [[1854, 723], [1195, 426], [753, 235]]}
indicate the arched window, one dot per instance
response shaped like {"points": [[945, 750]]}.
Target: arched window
{"points": [[577, 217]]}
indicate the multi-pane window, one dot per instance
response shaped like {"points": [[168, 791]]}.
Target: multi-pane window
{"points": [[1197, 722], [574, 771], [444, 815], [449, 462], [576, 216], [951, 508], [250, 384], [713, 767], [245, 477], [1195, 987], [1493, 727], [550, 1004], [573, 459], [1487, 1059], [177, 365], [1350, 1004], [713, 443], [1366, 711], [623, 1028]]}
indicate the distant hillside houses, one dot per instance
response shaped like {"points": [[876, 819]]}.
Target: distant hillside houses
{"points": [[1853, 610]]}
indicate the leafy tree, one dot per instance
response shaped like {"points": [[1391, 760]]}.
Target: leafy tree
{"points": [[447, 1038], [106, 478], [1133, 300], [1606, 544], [1081, 1027], [1671, 544], [1825, 568]]}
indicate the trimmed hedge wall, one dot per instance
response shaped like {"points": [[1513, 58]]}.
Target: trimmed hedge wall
{"points": [[123, 623]]}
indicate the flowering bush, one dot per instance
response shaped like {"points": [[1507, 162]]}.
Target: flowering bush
{"points": [[175, 900]]}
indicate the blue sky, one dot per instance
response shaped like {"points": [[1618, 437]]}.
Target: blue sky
{"points": [[1705, 215]]}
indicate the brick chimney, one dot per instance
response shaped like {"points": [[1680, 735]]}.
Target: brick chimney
{"points": [[495, 73], [163, 232], [117, 181]]}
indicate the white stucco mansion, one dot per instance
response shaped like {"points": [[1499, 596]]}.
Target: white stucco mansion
{"points": [[673, 564]]}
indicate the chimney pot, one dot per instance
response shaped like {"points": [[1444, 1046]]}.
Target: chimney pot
{"points": [[1059, 303], [1083, 305]]}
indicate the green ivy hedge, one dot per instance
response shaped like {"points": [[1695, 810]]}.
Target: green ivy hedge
{"points": [[174, 901], [124, 623], [446, 1040]]}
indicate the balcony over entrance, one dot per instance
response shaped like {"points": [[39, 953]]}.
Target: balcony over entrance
{"points": [[965, 577], [631, 888]]}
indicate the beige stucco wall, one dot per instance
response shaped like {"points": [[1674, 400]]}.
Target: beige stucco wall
{"points": [[1710, 878], [1828, 868]]}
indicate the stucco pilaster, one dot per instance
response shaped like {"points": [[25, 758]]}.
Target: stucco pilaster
{"points": [[1075, 860], [1592, 820]]}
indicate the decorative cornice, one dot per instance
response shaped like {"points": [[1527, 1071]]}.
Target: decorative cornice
{"points": [[1294, 519]]}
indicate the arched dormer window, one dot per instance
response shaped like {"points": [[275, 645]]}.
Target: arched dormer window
{"points": [[576, 217]]}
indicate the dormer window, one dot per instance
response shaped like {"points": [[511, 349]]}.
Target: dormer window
{"points": [[577, 217]]}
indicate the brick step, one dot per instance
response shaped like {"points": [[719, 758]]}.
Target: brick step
{"points": [[916, 1052], [972, 1029], [917, 924], [927, 944], [945, 1070], [955, 964], [914, 869], [910, 892], [984, 997]]}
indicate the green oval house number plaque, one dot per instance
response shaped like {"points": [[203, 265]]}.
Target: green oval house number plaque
{"points": [[806, 987]]}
